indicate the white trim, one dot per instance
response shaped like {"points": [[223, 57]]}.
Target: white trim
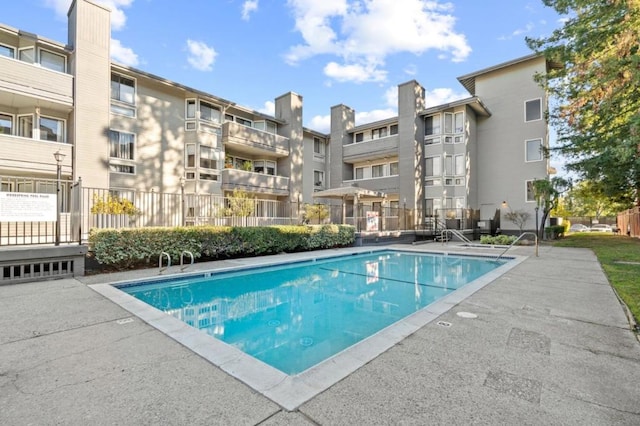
{"points": [[135, 88], [64, 127], [526, 150], [14, 123], [40, 50], [35, 53], [186, 109], [525, 110], [15, 50], [526, 191], [135, 145]]}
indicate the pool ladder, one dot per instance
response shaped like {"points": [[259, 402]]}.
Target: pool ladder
{"points": [[164, 254]]}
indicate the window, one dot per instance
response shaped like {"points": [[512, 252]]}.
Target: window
{"points": [[7, 51], [243, 121], [53, 61], [379, 133], [121, 168], [534, 150], [121, 145], [457, 139], [359, 173], [207, 158], [209, 112], [433, 206], [394, 169], [6, 124], [448, 122], [533, 110], [190, 125], [431, 141], [393, 130], [208, 176], [265, 167], [318, 146], [25, 126], [432, 125], [359, 137], [377, 170], [123, 89], [51, 129], [460, 166], [530, 193], [122, 110], [433, 166], [190, 109], [190, 155], [318, 178], [27, 55], [458, 123], [448, 165]]}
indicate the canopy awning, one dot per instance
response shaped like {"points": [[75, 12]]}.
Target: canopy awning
{"points": [[349, 192]]}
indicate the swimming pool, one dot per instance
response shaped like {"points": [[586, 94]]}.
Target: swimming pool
{"points": [[290, 391], [294, 316]]}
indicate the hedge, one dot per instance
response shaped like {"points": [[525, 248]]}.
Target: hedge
{"points": [[134, 247]]}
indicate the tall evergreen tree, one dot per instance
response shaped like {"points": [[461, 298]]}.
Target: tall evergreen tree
{"points": [[595, 85]]}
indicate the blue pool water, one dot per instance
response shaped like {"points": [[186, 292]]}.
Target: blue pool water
{"points": [[294, 316]]}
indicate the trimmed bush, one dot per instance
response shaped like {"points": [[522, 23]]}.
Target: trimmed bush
{"points": [[554, 232], [129, 248], [503, 240]]}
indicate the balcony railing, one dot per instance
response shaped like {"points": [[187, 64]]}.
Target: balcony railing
{"points": [[371, 149], [33, 81], [254, 182], [33, 155], [255, 141]]}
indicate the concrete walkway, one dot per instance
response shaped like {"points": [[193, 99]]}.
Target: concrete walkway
{"points": [[550, 345]]}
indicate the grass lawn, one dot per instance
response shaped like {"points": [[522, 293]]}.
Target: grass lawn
{"points": [[612, 251]]}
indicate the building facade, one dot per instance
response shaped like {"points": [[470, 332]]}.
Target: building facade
{"points": [[125, 130]]}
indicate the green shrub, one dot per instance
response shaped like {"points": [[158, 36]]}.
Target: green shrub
{"points": [[554, 232], [128, 248], [504, 240]]}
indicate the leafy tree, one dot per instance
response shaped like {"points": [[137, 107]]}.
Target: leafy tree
{"points": [[547, 193], [518, 218], [588, 198], [594, 82], [240, 204], [317, 212], [112, 204]]}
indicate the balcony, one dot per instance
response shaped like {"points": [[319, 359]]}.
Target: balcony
{"points": [[32, 155], [254, 182], [370, 150], [252, 141], [21, 82]]}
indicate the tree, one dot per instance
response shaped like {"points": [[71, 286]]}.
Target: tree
{"points": [[239, 204], [315, 212], [547, 192], [593, 82], [518, 218], [588, 198]]}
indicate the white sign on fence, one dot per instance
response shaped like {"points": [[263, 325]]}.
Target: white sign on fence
{"points": [[26, 207]]}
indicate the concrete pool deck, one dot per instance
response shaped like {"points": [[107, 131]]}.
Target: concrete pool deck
{"points": [[550, 345]]}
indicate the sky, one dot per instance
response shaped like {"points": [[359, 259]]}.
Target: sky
{"points": [[329, 51]]}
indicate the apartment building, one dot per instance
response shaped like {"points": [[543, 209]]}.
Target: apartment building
{"points": [[477, 156], [125, 130]]}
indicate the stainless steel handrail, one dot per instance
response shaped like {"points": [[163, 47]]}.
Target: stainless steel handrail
{"points": [[518, 239]]}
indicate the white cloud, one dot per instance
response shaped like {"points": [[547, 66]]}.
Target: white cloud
{"points": [[124, 55], [411, 69], [269, 108], [391, 96], [365, 117], [118, 18], [356, 73], [201, 56], [248, 7], [441, 96], [363, 33], [321, 123]]}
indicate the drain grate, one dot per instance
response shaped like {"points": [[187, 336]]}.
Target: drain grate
{"points": [[444, 324]]}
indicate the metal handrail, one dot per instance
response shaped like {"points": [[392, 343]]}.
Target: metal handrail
{"points": [[182, 266], [518, 239], [458, 234], [160, 268]]}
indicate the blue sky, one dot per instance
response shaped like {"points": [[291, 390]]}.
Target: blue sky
{"points": [[328, 51]]}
